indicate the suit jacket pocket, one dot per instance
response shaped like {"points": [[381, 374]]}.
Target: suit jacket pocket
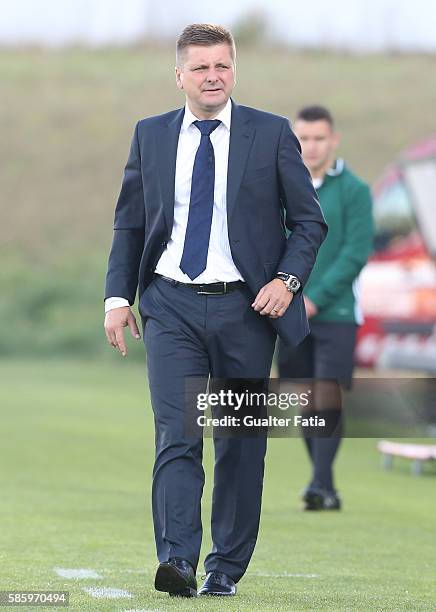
{"points": [[143, 304]]}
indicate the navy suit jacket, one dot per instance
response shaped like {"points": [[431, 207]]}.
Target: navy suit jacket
{"points": [[267, 185]]}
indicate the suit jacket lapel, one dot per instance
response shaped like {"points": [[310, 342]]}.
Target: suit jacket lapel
{"points": [[166, 144], [241, 138]]}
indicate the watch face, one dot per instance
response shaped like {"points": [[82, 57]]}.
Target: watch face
{"points": [[292, 283]]}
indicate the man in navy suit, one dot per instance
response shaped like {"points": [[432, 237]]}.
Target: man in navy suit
{"points": [[199, 230]]}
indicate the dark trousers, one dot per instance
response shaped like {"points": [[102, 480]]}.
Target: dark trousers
{"points": [[325, 355], [191, 335]]}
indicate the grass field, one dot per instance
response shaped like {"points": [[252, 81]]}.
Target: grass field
{"points": [[76, 458], [77, 445]]}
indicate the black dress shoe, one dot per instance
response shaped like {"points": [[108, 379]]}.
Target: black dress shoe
{"points": [[177, 578], [315, 498], [218, 584]]}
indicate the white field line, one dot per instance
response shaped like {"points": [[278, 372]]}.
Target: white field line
{"points": [[107, 592], [76, 574]]}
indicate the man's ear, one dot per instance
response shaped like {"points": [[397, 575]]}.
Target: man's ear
{"points": [[179, 78]]}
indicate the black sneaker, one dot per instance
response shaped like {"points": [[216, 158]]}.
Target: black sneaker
{"points": [[315, 498]]}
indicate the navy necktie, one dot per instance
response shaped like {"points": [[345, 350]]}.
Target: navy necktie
{"points": [[196, 246]]}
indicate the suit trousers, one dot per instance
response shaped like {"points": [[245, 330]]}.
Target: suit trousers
{"points": [[192, 335]]}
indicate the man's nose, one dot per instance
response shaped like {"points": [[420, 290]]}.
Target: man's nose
{"points": [[211, 76]]}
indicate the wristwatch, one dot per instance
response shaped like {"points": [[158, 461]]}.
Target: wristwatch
{"points": [[291, 282]]}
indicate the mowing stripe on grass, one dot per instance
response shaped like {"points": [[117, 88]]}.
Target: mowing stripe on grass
{"points": [[107, 592], [76, 574], [281, 575], [124, 571]]}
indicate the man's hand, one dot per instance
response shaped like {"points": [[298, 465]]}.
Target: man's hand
{"points": [[273, 299], [311, 308], [114, 321]]}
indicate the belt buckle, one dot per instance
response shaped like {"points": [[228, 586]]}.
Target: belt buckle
{"points": [[214, 292]]}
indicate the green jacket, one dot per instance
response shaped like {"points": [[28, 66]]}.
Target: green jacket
{"points": [[347, 206]]}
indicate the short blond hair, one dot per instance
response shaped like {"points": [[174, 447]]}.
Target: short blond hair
{"points": [[206, 35]]}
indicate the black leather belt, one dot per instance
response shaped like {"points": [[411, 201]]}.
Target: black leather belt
{"points": [[206, 288]]}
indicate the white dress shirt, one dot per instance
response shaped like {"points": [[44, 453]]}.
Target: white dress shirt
{"points": [[220, 265]]}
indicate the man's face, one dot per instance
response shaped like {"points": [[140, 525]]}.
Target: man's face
{"points": [[207, 76], [318, 143]]}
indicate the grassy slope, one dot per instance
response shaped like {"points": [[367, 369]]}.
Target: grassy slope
{"points": [[76, 458], [67, 121], [69, 118]]}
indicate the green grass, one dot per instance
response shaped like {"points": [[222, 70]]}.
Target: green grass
{"points": [[76, 458]]}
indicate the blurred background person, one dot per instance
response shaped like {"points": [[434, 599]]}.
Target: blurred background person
{"points": [[332, 306]]}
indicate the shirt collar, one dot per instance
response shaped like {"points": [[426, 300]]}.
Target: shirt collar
{"points": [[335, 170], [224, 116]]}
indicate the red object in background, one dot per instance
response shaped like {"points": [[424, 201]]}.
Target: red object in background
{"points": [[397, 288]]}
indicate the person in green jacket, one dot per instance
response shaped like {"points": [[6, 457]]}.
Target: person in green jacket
{"points": [[330, 297]]}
